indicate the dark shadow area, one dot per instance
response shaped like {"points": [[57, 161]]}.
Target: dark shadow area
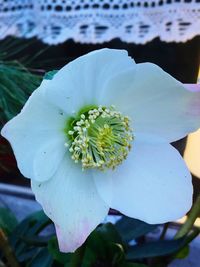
{"points": [[181, 60]]}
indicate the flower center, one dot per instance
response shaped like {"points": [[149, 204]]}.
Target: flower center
{"points": [[99, 138]]}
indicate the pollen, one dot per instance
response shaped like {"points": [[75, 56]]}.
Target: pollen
{"points": [[100, 138]]}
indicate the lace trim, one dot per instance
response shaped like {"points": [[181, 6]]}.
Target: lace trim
{"points": [[97, 21]]}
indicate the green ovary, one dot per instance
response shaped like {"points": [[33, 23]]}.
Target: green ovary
{"points": [[100, 138]]}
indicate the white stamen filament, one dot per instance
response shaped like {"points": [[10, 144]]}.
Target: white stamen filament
{"points": [[101, 138]]}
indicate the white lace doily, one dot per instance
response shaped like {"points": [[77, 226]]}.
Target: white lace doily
{"points": [[97, 21]]}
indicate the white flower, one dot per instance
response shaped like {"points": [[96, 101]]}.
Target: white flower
{"points": [[71, 119]]}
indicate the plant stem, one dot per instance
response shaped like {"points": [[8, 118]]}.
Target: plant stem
{"points": [[193, 235], [7, 250], [193, 214]]}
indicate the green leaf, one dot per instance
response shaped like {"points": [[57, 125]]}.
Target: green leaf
{"points": [[109, 233], [102, 246], [89, 258], [8, 221], [28, 229], [41, 259], [129, 264], [53, 248], [105, 244], [155, 249], [182, 253], [130, 229], [102, 236], [117, 254], [97, 244], [37, 241], [50, 74], [77, 257], [28, 254], [31, 225]]}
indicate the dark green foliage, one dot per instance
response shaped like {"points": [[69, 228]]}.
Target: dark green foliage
{"points": [[17, 82], [155, 249], [132, 229], [183, 253], [8, 221], [58, 256], [107, 246], [41, 259], [129, 264], [16, 85], [26, 239]]}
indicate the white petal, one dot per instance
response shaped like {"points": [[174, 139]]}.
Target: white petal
{"points": [[152, 185], [158, 104], [71, 201], [37, 129], [192, 87], [48, 158], [80, 82]]}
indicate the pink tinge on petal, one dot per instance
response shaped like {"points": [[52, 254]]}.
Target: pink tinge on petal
{"points": [[192, 87], [70, 241], [194, 107]]}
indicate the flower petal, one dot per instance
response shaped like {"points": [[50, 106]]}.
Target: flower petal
{"points": [[38, 128], [192, 87], [152, 185], [158, 104], [80, 82], [48, 158], [71, 201]]}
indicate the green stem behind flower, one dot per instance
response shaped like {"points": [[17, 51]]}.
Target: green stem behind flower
{"points": [[193, 214]]}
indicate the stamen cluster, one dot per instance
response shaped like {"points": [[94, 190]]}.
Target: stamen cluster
{"points": [[101, 138]]}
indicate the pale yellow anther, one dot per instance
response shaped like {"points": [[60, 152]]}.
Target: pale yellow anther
{"points": [[101, 138], [70, 132]]}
